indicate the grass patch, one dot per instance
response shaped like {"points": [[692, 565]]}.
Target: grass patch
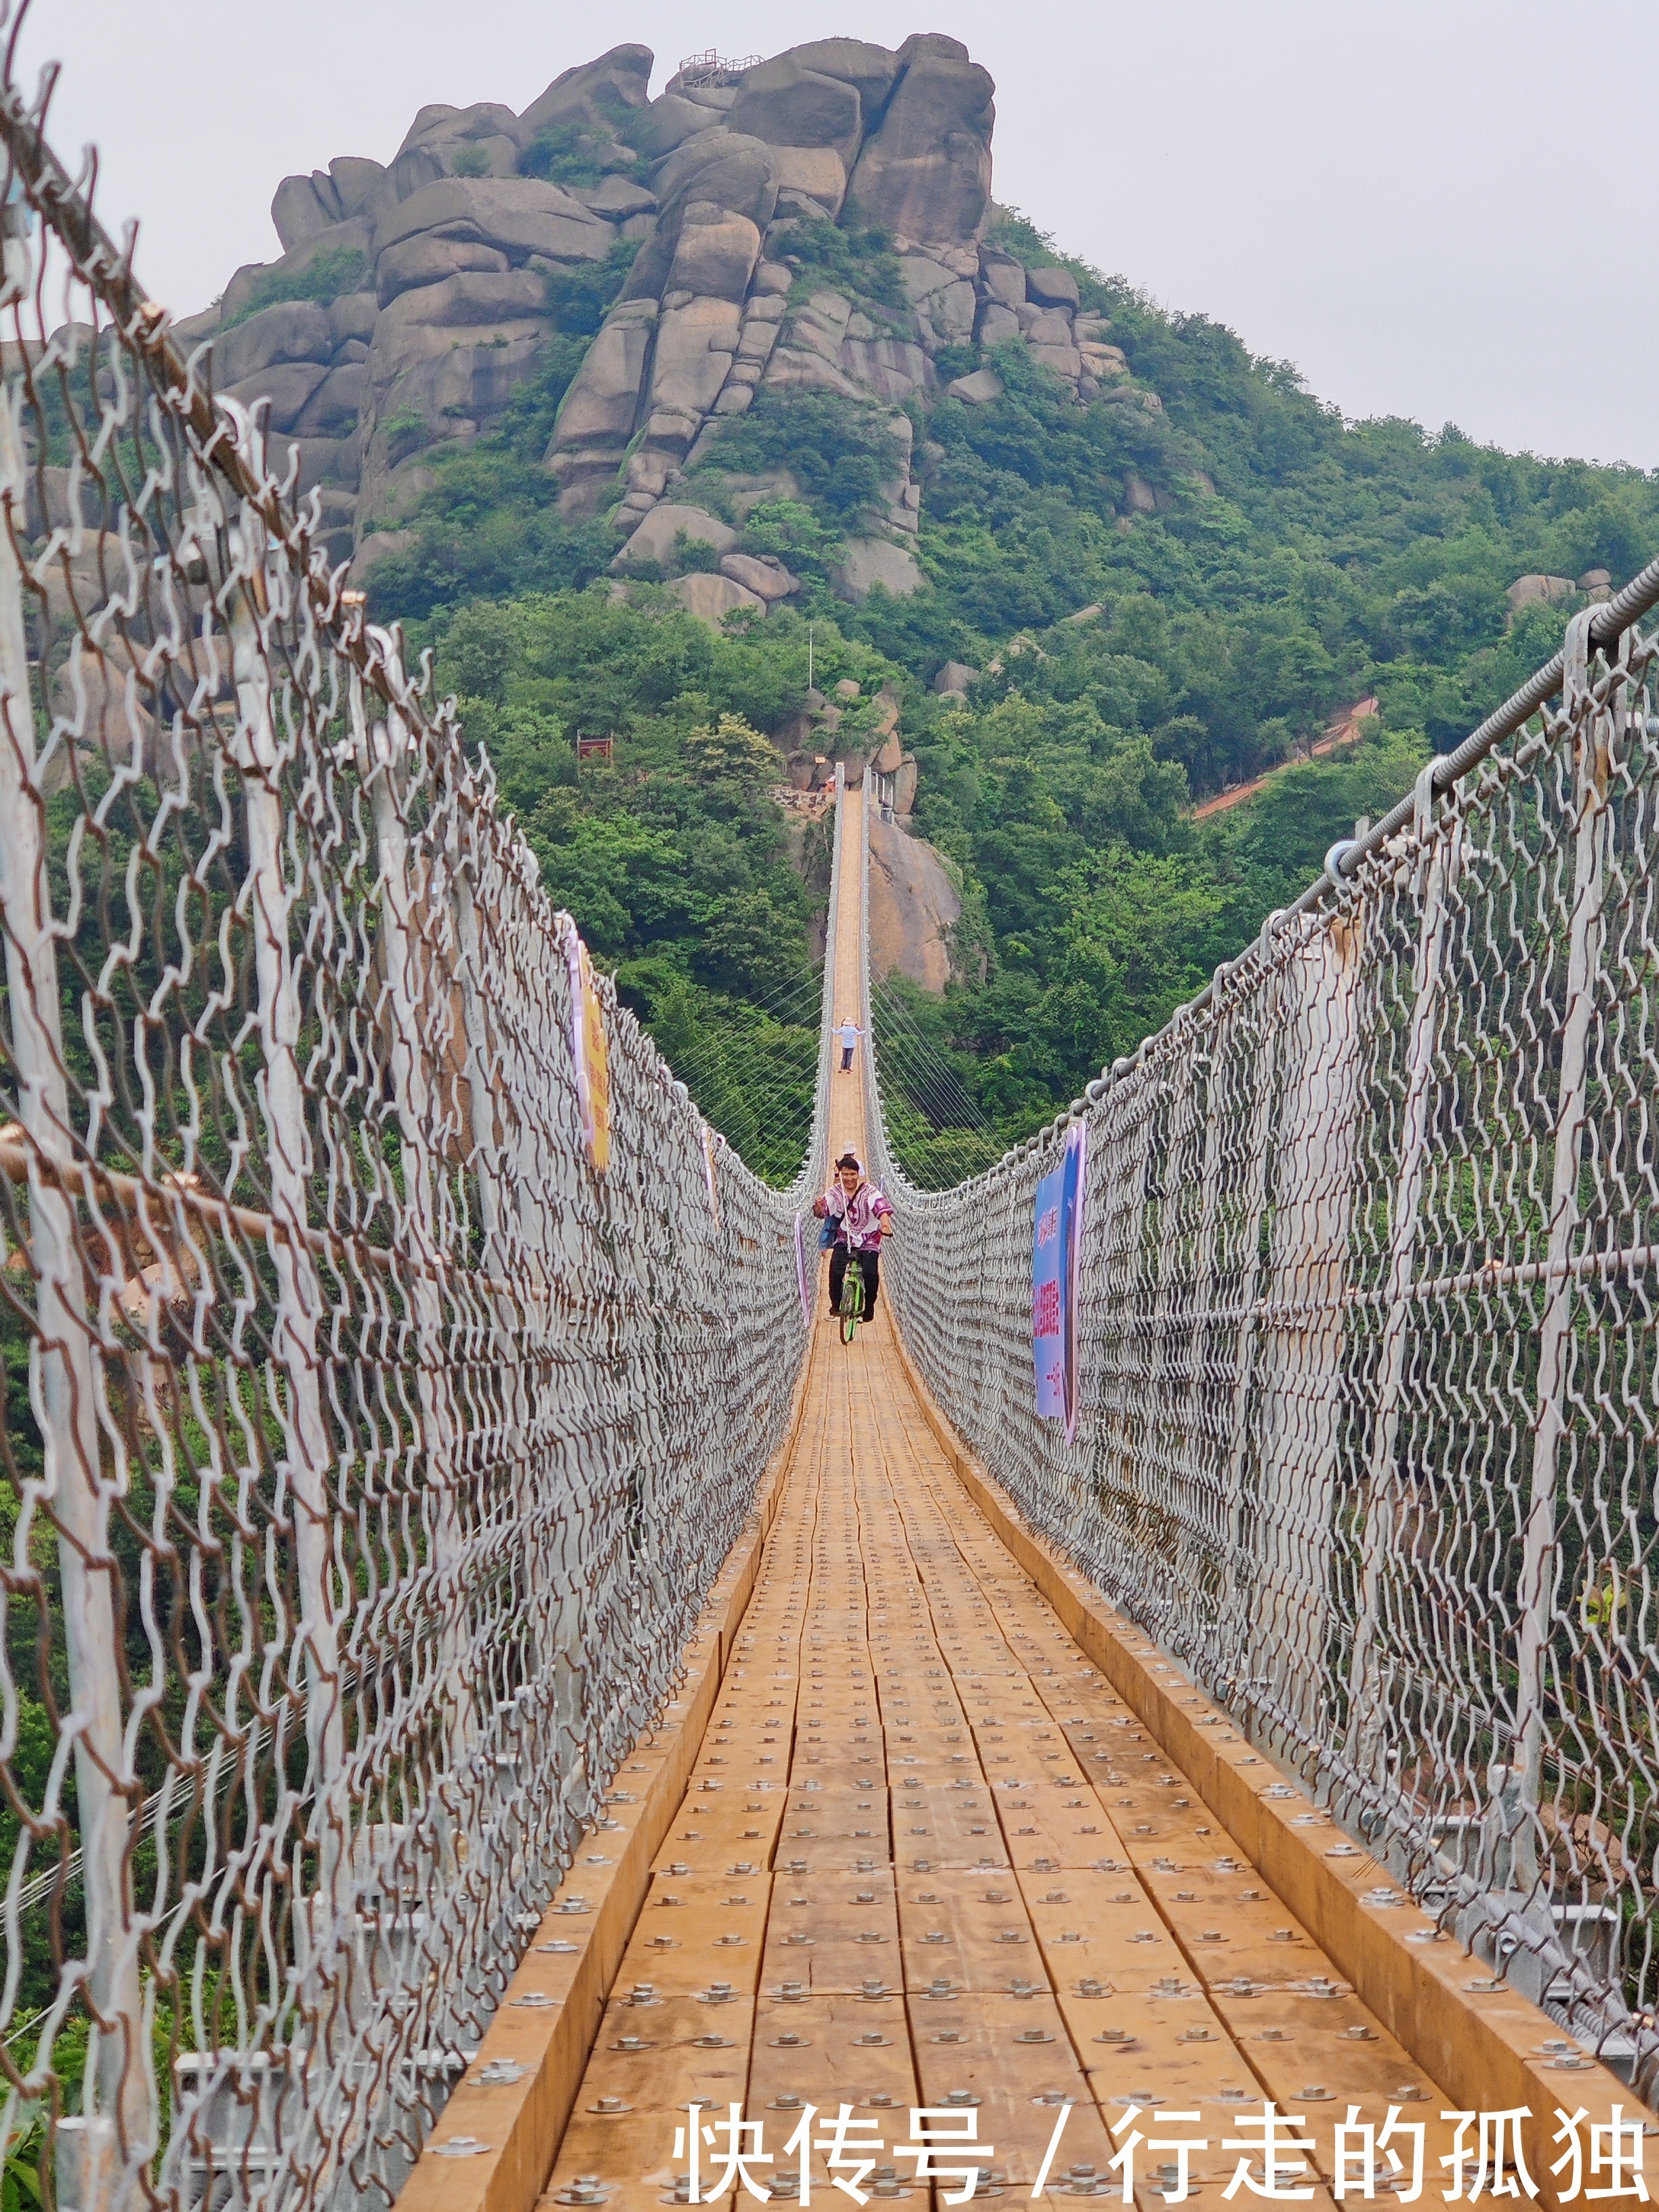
{"points": [[327, 276], [857, 259]]}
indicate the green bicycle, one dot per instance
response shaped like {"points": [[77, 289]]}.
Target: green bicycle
{"points": [[851, 1308]]}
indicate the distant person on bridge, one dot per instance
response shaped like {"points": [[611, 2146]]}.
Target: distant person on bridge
{"points": [[862, 1218], [850, 1033]]}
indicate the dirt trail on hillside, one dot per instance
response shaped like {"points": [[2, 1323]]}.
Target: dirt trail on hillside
{"points": [[1344, 729]]}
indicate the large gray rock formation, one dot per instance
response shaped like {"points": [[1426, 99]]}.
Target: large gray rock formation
{"points": [[428, 259], [715, 252], [978, 388], [914, 904], [898, 139], [926, 172], [490, 136], [303, 206], [345, 243], [655, 538], [789, 104], [867, 562], [294, 330], [594, 91], [440, 260], [519, 215], [711, 599], [870, 71], [764, 575], [1538, 590]]}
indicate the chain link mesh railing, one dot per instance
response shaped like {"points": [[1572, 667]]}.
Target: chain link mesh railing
{"points": [[1369, 1431], [370, 1451]]}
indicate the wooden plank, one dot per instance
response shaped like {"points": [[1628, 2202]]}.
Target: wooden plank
{"points": [[1019, 2081], [657, 2058], [971, 1928], [698, 1931], [831, 2050], [948, 1825], [712, 1849], [839, 1935]]}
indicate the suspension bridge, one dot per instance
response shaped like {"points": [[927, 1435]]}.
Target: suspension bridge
{"points": [[500, 1706]]}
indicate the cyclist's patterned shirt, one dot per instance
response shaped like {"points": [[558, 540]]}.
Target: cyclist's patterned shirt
{"points": [[859, 1218]]}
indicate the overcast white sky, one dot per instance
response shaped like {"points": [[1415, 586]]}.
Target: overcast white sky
{"points": [[1433, 207]]}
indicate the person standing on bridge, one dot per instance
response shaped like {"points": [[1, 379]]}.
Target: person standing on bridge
{"points": [[862, 1217], [848, 1032]]}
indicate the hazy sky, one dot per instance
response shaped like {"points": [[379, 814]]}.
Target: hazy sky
{"points": [[1432, 207]]}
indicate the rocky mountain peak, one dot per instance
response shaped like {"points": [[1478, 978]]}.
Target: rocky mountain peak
{"points": [[414, 298]]}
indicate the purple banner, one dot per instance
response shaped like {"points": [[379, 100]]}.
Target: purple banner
{"points": [[1056, 1246]]}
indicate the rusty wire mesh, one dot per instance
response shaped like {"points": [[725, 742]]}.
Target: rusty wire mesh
{"points": [[1367, 1337], [370, 1454]]}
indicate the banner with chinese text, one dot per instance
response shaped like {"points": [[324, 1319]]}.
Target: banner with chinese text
{"points": [[1056, 1246]]}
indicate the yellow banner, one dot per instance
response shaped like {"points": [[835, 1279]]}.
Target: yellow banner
{"points": [[588, 1050]]}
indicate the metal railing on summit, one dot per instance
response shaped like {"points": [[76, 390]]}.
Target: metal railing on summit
{"points": [[1367, 1423], [391, 1350]]}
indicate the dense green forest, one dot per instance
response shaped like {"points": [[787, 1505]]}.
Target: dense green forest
{"points": [[1167, 593]]}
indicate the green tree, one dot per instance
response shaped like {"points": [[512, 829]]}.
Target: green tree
{"points": [[732, 750], [481, 651]]}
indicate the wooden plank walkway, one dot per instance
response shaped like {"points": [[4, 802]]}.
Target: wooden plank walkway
{"points": [[927, 1858]]}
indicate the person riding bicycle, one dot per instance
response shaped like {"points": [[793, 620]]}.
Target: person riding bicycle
{"points": [[862, 1217]]}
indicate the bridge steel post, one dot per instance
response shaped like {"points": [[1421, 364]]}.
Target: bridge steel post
{"points": [[485, 1147], [100, 2152], [1302, 1343], [1598, 727], [1207, 1328], [419, 1019], [1243, 1274], [313, 2007], [1118, 1167], [1177, 1130], [1367, 1728], [307, 1453]]}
